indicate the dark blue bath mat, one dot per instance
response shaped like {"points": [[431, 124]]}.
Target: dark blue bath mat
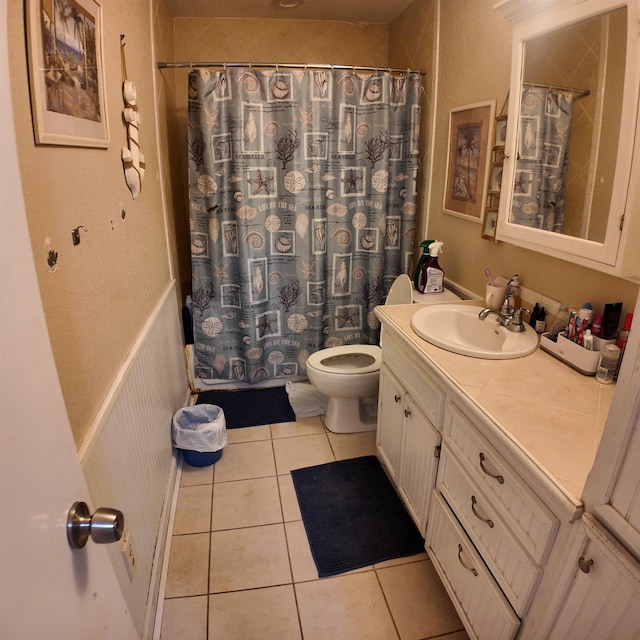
{"points": [[353, 516], [251, 407]]}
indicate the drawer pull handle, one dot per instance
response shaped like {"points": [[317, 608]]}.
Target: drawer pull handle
{"points": [[397, 399], [584, 564], [477, 515], [461, 561], [407, 413], [498, 477]]}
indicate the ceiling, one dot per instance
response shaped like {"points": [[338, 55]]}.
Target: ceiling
{"points": [[381, 11]]}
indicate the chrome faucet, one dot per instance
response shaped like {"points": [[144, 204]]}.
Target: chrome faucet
{"points": [[507, 316]]}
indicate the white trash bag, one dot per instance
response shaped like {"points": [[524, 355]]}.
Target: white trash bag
{"points": [[305, 400], [200, 427]]}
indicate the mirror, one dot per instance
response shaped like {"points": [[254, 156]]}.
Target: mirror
{"points": [[571, 102], [572, 117]]}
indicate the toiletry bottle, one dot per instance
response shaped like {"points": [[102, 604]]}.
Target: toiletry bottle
{"points": [[423, 258], [432, 277], [623, 336], [533, 317], [587, 340], [560, 321], [596, 327], [514, 292], [609, 357], [586, 312], [540, 321]]}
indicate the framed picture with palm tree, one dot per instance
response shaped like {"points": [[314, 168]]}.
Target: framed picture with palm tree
{"points": [[471, 139], [66, 75]]}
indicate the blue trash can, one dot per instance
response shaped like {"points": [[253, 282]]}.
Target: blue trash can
{"points": [[200, 432]]}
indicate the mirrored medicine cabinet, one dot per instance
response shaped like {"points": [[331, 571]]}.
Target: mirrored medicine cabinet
{"points": [[571, 176]]}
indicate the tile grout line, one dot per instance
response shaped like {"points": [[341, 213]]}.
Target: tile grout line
{"points": [[157, 626]]}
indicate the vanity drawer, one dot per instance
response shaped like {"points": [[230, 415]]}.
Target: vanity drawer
{"points": [[422, 388], [525, 514], [475, 594], [513, 567]]}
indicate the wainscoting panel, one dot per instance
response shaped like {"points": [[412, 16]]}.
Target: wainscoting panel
{"points": [[128, 458]]}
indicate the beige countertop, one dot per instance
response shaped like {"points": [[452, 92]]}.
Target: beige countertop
{"points": [[554, 413]]}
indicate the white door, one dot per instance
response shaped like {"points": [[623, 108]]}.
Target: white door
{"points": [[47, 590]]}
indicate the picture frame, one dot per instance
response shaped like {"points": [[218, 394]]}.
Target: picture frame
{"points": [[66, 73], [490, 223], [501, 131], [495, 179], [471, 137]]}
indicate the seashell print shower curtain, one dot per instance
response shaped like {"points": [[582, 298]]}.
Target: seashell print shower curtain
{"points": [[543, 155], [302, 196]]}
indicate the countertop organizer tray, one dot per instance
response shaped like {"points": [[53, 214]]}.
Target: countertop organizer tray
{"points": [[576, 356]]}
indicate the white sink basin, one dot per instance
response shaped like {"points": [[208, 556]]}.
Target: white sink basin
{"points": [[457, 328]]}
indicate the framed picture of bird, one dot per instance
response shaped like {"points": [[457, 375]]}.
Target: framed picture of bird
{"points": [[66, 75], [471, 139]]}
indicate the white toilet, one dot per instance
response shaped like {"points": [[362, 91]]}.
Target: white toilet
{"points": [[349, 375]]}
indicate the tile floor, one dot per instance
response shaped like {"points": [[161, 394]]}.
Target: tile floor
{"points": [[240, 567]]}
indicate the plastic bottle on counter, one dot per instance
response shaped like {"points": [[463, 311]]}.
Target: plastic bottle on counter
{"points": [[423, 258], [623, 334], [541, 321], [587, 340], [596, 327], [432, 278], [608, 364], [621, 341], [560, 321], [514, 292], [586, 312]]}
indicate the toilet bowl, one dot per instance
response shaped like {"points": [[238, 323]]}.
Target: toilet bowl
{"points": [[349, 375]]}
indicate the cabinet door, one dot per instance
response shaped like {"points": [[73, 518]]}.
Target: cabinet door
{"points": [[420, 451], [612, 491], [389, 431], [603, 602]]}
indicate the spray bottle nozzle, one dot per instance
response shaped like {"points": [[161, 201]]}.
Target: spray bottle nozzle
{"points": [[435, 247]]}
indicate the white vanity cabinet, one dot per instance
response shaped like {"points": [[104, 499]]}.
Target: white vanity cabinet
{"points": [[407, 440], [509, 539], [494, 514], [603, 598]]}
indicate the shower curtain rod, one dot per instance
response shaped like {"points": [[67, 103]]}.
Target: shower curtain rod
{"points": [[272, 65], [578, 93]]}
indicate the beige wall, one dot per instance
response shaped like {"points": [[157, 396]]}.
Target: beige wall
{"points": [[247, 40], [103, 290], [474, 66]]}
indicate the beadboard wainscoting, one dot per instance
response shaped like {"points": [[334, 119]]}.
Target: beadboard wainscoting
{"points": [[128, 458]]}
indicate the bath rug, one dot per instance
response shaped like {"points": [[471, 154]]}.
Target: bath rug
{"points": [[251, 407], [353, 516]]}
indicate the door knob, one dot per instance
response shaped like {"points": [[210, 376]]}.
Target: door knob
{"points": [[105, 525]]}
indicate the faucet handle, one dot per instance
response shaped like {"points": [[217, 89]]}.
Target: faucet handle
{"points": [[517, 314], [507, 308]]}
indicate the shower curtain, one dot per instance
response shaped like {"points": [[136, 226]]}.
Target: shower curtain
{"points": [[543, 152], [302, 196]]}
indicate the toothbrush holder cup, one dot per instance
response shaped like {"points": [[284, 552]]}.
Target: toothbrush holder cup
{"points": [[495, 293]]}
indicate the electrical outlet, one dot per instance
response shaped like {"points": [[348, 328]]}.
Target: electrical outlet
{"points": [[126, 550]]}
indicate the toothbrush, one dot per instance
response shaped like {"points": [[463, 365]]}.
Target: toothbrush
{"points": [[487, 272]]}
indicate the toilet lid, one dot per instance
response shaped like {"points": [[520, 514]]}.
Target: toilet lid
{"points": [[401, 291], [347, 360]]}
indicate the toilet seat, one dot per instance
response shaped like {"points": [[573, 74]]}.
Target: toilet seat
{"points": [[348, 360]]}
